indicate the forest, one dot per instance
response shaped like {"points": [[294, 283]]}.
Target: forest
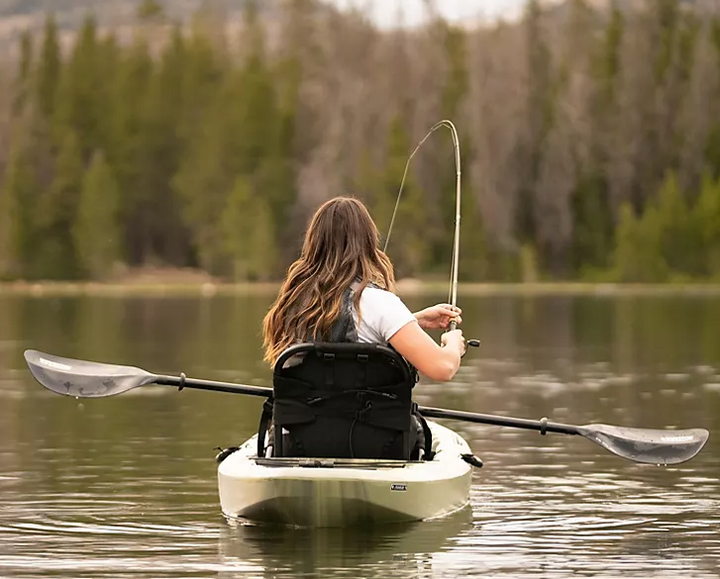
{"points": [[590, 142]]}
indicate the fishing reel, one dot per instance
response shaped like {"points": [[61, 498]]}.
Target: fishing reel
{"points": [[472, 342]]}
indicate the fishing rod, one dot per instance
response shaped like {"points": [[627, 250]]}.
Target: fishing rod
{"points": [[452, 293]]}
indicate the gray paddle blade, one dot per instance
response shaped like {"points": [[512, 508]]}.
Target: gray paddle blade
{"points": [[83, 379], [646, 445]]}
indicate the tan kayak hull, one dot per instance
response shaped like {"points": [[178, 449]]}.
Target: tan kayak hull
{"points": [[348, 492]]}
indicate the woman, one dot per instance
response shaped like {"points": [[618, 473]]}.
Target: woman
{"points": [[340, 289]]}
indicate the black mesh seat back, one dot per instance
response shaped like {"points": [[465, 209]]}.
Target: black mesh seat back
{"points": [[342, 400]]}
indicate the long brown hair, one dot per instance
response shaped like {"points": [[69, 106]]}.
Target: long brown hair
{"points": [[341, 246]]}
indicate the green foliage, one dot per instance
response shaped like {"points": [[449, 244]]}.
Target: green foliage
{"points": [[96, 231], [607, 62], [706, 218], [678, 245], [48, 70], [408, 240], [24, 68], [131, 129], [671, 240], [247, 229], [81, 103], [18, 190], [667, 14], [149, 10], [592, 223], [473, 258], [638, 250], [54, 257]]}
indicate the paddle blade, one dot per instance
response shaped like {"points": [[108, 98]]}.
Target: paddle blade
{"points": [[646, 445], [83, 379]]}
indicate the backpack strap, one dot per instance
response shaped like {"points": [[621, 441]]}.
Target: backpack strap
{"points": [[265, 419], [427, 433]]}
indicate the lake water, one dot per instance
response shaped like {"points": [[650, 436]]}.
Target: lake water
{"points": [[126, 486]]}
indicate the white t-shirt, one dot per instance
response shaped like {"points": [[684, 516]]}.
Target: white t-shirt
{"points": [[382, 314]]}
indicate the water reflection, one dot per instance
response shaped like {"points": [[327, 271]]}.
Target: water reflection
{"points": [[402, 551], [126, 486]]}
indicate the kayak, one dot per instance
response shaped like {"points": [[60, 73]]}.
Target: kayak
{"points": [[314, 492]]}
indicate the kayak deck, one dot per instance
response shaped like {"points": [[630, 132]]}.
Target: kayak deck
{"points": [[342, 492]]}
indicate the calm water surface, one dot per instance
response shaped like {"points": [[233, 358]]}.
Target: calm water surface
{"points": [[126, 487]]}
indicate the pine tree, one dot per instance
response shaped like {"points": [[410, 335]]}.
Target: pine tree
{"points": [[706, 217], [540, 109], [82, 96], [128, 152], [592, 223], [248, 232], [638, 251], [48, 70], [96, 231], [55, 214], [162, 148], [712, 144], [678, 236], [408, 243], [473, 244], [23, 78], [453, 94], [207, 172], [16, 195]]}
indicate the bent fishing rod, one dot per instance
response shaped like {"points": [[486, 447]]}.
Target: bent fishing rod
{"points": [[452, 292]]}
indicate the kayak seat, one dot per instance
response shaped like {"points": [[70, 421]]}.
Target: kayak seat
{"points": [[342, 400]]}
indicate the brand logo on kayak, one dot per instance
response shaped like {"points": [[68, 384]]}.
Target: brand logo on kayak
{"points": [[398, 487]]}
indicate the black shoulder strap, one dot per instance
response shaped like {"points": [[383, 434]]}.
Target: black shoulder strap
{"points": [[265, 419], [427, 433]]}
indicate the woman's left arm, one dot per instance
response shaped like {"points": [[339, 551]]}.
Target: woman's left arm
{"points": [[438, 317]]}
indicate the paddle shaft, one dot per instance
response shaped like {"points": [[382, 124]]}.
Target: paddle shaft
{"points": [[542, 425], [183, 382]]}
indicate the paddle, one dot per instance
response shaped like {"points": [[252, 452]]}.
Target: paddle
{"points": [[84, 379]]}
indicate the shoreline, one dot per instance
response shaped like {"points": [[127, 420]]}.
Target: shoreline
{"points": [[208, 289]]}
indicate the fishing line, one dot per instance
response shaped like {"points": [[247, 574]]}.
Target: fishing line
{"points": [[452, 293]]}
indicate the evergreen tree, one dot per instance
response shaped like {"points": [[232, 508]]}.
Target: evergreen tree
{"points": [[48, 70], [540, 110], [592, 223], [82, 97], [55, 214], [453, 93], [248, 233], [162, 148], [706, 218], [128, 152], [23, 79], [96, 230], [473, 258], [638, 250], [207, 172], [408, 243], [16, 196], [712, 145], [678, 244]]}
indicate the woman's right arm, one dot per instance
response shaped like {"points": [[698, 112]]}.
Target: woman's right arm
{"points": [[439, 363]]}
